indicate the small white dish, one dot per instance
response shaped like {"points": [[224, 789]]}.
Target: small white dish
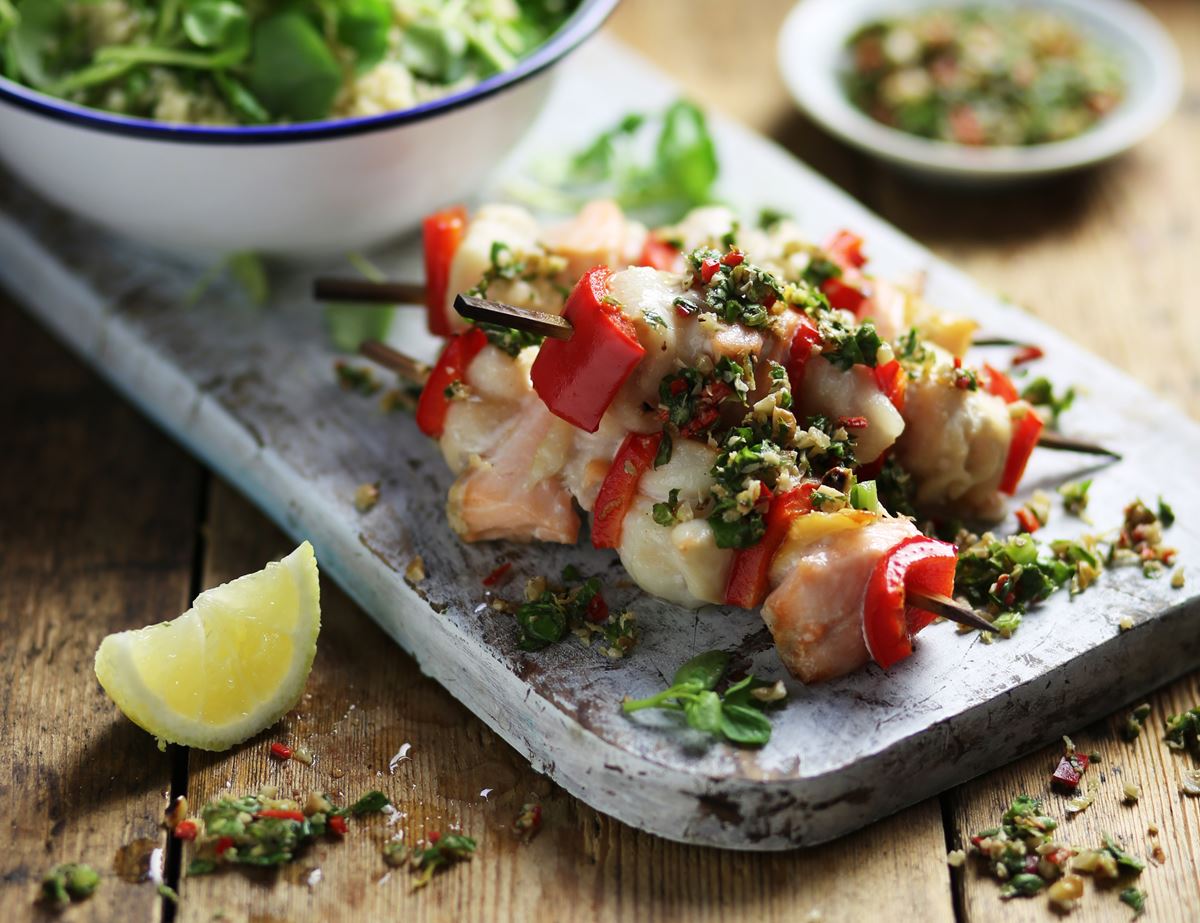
{"points": [[813, 58], [304, 190]]}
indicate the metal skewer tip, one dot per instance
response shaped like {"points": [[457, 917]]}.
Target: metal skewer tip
{"points": [[950, 609], [508, 315], [328, 288]]}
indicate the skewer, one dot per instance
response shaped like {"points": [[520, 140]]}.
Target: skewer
{"points": [[1060, 443], [327, 288], [950, 609], [418, 372], [406, 367], [509, 315]]}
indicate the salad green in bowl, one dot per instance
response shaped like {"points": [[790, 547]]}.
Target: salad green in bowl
{"points": [[256, 62]]}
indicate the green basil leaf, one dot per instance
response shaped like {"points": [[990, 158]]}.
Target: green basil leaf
{"points": [[364, 25], [703, 671], [744, 725], [216, 23], [292, 71], [704, 712], [686, 152]]}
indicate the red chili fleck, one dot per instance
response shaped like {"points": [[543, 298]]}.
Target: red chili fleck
{"points": [[708, 269], [853, 422], [1031, 863], [1026, 519], [433, 837], [498, 575], [1028, 354], [733, 258], [280, 814], [281, 751], [1069, 772], [683, 309], [678, 386], [535, 816], [224, 843], [976, 840], [337, 824], [185, 830], [958, 362], [597, 609]]}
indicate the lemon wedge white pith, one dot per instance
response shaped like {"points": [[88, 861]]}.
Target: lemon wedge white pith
{"points": [[227, 668]]}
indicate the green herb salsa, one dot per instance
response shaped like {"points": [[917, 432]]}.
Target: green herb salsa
{"points": [[259, 62], [983, 76]]}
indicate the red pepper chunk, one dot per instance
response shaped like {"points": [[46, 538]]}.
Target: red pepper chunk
{"points": [[185, 830], [279, 814], [1069, 772], [442, 232], [845, 249], [999, 384], [842, 296], [1027, 521], [893, 382], [917, 565], [659, 254], [1027, 428], [578, 378], [708, 269], [746, 585], [633, 459], [281, 751], [337, 823], [223, 844], [458, 355], [806, 337]]}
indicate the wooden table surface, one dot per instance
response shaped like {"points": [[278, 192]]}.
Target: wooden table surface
{"points": [[105, 525]]}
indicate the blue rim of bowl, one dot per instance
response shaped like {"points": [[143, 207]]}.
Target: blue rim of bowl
{"points": [[586, 20]]}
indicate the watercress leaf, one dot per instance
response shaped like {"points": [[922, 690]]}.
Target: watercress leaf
{"points": [[370, 803], [250, 273], [739, 693], [686, 152], [216, 23], [704, 712], [292, 71], [541, 623], [363, 25], [434, 50], [249, 110], [703, 671], [745, 725]]}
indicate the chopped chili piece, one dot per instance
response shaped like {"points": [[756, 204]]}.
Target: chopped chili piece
{"points": [[185, 830], [337, 824], [433, 837], [853, 422], [1028, 354], [842, 296], [281, 751], [597, 609], [1070, 770], [893, 382], [223, 844], [1027, 520], [498, 575], [281, 814], [845, 249], [732, 258], [708, 269]]}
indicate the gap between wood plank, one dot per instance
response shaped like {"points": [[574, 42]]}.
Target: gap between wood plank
{"points": [[173, 852], [950, 829]]}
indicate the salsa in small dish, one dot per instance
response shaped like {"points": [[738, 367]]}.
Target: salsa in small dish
{"points": [[248, 62], [983, 75]]}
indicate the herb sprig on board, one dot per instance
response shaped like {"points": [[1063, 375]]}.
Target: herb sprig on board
{"points": [[736, 714]]}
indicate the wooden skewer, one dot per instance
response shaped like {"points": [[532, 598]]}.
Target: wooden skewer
{"points": [[406, 367], [950, 609], [509, 315], [1060, 443], [327, 288]]}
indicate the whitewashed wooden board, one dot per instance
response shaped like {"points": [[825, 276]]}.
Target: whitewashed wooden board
{"points": [[253, 394]]}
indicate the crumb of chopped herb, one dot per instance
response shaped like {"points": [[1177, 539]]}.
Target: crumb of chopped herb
{"points": [[1081, 803], [356, 377], [1132, 792], [955, 858], [395, 853], [668, 513], [1189, 782], [415, 571], [441, 852], [1134, 722], [1126, 623], [1183, 731], [1075, 496], [1140, 540], [1134, 898], [399, 399], [371, 803], [1065, 893], [1177, 579], [69, 881], [528, 822], [549, 613], [1040, 393], [366, 496]]}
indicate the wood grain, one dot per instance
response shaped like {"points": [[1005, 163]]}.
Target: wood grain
{"points": [[366, 699], [97, 518]]}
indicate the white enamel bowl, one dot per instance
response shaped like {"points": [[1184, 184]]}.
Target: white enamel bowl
{"points": [[812, 58], [311, 189]]}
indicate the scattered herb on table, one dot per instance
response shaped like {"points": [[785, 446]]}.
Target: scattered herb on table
{"points": [[1134, 898], [528, 822], [1034, 513], [577, 606], [439, 853], [366, 496], [1075, 496], [70, 881], [1071, 767], [1040, 393], [357, 378], [1021, 851], [1140, 540], [1131, 730], [1183, 731], [736, 714], [263, 830], [678, 176]]}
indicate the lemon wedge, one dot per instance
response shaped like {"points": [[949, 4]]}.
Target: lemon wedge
{"points": [[229, 667]]}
